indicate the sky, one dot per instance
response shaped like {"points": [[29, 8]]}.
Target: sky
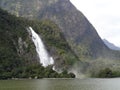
{"points": [[104, 16]]}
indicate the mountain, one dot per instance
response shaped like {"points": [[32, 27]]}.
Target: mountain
{"points": [[68, 35], [78, 31], [111, 45]]}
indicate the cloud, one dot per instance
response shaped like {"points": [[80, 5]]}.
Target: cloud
{"points": [[104, 15]]}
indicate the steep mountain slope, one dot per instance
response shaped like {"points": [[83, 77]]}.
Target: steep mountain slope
{"points": [[17, 49], [110, 45], [79, 33]]}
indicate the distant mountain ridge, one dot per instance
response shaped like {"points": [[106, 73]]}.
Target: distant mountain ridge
{"points": [[111, 45]]}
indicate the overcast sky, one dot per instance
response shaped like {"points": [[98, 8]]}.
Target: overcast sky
{"points": [[104, 15]]}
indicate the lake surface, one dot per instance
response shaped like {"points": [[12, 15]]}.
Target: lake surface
{"points": [[61, 84]]}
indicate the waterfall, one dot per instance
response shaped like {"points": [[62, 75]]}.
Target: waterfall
{"points": [[45, 58]]}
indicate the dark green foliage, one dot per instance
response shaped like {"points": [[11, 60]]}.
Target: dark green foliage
{"points": [[107, 73], [35, 72], [66, 75]]}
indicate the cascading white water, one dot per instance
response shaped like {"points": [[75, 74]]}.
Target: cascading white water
{"points": [[45, 58]]}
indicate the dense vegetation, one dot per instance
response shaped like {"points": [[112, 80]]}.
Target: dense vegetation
{"points": [[34, 72], [107, 73]]}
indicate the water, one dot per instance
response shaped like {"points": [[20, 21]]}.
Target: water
{"points": [[45, 58], [61, 84]]}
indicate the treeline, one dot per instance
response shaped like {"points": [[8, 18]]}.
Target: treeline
{"points": [[107, 73], [34, 72]]}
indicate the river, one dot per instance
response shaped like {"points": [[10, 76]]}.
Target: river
{"points": [[61, 84]]}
